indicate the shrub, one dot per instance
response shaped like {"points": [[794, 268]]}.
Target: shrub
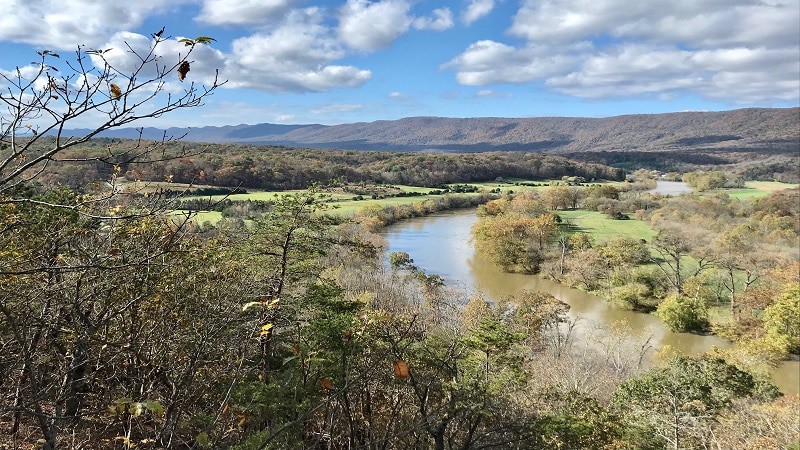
{"points": [[683, 314]]}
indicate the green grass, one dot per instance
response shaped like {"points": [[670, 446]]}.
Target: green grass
{"points": [[145, 187], [342, 208], [422, 190], [508, 184], [260, 196], [757, 189], [602, 228], [351, 208], [200, 216]]}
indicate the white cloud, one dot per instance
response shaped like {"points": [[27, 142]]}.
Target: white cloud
{"points": [[737, 50], [489, 93], [397, 95], [243, 12], [714, 22], [336, 108], [488, 62], [441, 19], [745, 75], [296, 56], [127, 49], [475, 10], [370, 26], [63, 24]]}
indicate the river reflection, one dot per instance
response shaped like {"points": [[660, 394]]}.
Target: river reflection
{"points": [[441, 244]]}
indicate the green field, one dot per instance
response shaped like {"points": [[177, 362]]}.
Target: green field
{"points": [[602, 228], [199, 216], [263, 196], [350, 208], [758, 189], [343, 207], [508, 184]]}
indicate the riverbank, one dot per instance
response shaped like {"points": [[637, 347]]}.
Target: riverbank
{"points": [[440, 244]]}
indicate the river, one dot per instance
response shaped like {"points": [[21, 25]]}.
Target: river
{"points": [[440, 244], [671, 188]]}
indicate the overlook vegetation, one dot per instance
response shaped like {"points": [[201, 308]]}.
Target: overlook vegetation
{"points": [[125, 325]]}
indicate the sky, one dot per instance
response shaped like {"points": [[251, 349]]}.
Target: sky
{"points": [[330, 62]]}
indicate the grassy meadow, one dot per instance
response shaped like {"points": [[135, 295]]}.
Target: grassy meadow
{"points": [[757, 189], [601, 227]]}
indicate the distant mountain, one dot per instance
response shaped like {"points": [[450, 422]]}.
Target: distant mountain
{"points": [[736, 130]]}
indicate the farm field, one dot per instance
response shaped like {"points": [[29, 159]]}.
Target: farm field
{"points": [[602, 228], [758, 189], [351, 207], [342, 207]]}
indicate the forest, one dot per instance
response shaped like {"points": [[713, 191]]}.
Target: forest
{"points": [[124, 325], [282, 168]]}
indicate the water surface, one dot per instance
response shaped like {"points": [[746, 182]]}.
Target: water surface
{"points": [[441, 244], [671, 188]]}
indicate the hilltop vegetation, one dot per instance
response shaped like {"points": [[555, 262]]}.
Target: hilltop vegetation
{"points": [[755, 130], [129, 331], [124, 325], [276, 168]]}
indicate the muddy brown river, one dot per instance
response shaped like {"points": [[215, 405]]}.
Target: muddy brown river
{"points": [[441, 244]]}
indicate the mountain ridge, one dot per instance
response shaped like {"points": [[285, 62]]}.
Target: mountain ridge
{"points": [[765, 129]]}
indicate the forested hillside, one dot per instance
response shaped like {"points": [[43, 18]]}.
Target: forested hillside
{"points": [[755, 130], [284, 168]]}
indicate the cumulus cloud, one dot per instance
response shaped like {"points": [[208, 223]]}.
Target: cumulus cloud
{"points": [[487, 62], [441, 19], [63, 24], [243, 12], [296, 56], [126, 51], [740, 50], [370, 26], [475, 10], [746, 75], [708, 23]]}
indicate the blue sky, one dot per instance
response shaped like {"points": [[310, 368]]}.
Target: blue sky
{"points": [[306, 61]]}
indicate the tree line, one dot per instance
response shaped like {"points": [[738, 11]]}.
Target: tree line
{"points": [[280, 168]]}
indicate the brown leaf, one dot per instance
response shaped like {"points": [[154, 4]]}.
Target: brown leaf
{"points": [[116, 92], [400, 369], [326, 384], [183, 69]]}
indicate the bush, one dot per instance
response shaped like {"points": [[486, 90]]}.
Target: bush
{"points": [[683, 314]]}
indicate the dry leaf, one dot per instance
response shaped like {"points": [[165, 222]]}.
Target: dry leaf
{"points": [[400, 369], [116, 92], [326, 384], [183, 69]]}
